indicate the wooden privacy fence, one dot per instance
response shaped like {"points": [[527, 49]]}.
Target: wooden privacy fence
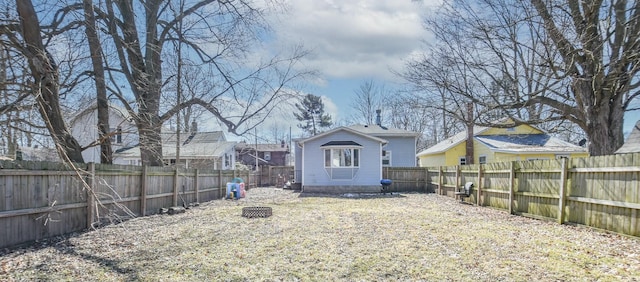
{"points": [[40, 200], [275, 175], [601, 192]]}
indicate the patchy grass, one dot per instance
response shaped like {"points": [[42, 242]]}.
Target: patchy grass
{"points": [[399, 237]]}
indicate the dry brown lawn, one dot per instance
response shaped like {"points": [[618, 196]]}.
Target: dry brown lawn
{"points": [[320, 238]]}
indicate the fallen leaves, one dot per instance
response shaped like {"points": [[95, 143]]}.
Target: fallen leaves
{"points": [[314, 237]]}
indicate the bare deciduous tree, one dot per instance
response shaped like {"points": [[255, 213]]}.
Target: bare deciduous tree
{"points": [[95, 49], [45, 81], [368, 98], [536, 61], [219, 33]]}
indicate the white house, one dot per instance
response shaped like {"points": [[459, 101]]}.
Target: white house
{"points": [[84, 127], [206, 150]]}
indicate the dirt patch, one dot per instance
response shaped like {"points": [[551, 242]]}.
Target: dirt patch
{"points": [[313, 237]]}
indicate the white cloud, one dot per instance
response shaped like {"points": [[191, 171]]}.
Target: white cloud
{"points": [[351, 39]]}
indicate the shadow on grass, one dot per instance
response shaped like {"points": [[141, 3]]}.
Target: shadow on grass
{"points": [[62, 244], [68, 248]]}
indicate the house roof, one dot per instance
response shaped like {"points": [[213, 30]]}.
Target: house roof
{"points": [[342, 128], [451, 142], [187, 151], [520, 143], [94, 106], [261, 147], [377, 130], [197, 137], [527, 143], [200, 145], [632, 144], [340, 143]]}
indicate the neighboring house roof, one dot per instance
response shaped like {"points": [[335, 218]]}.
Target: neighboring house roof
{"points": [[527, 143], [632, 144], [197, 137], [188, 151], [200, 145], [451, 142], [94, 106], [342, 128], [262, 147], [515, 143], [377, 130]]}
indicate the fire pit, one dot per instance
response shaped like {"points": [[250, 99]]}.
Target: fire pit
{"points": [[251, 212]]}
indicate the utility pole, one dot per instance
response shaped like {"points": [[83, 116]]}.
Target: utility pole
{"points": [[179, 84]]}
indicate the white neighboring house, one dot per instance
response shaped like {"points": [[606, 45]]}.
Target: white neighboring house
{"points": [[84, 127], [204, 150]]}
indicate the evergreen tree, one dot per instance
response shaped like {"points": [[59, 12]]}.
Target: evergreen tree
{"points": [[312, 114]]}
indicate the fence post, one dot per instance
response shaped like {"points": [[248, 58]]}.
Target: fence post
{"points": [[221, 190], [563, 189], [175, 187], [426, 180], [440, 180], [247, 181], [478, 201], [143, 191], [196, 184], [458, 180], [512, 175], [91, 195]]}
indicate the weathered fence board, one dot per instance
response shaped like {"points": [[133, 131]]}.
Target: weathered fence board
{"points": [[601, 192], [40, 200]]}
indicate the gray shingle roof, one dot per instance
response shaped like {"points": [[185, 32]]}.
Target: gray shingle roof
{"points": [[527, 143], [376, 130]]}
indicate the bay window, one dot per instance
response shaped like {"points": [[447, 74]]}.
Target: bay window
{"points": [[342, 157]]}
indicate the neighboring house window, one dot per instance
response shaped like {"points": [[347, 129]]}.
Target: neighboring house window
{"points": [[386, 158], [267, 156], [463, 160], [342, 157], [482, 159], [116, 135], [510, 129], [227, 160], [562, 157]]}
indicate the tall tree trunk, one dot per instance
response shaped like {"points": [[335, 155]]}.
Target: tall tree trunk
{"points": [[604, 121], [106, 154], [45, 74]]}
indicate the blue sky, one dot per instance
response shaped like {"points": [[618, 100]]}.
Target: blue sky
{"points": [[352, 42]]}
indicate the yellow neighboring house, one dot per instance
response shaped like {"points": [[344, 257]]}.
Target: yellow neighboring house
{"points": [[491, 144]]}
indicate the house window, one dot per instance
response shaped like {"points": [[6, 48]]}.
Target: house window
{"points": [[267, 156], [562, 157], [463, 160], [482, 159], [342, 157], [116, 135], [227, 160], [511, 129], [386, 158]]}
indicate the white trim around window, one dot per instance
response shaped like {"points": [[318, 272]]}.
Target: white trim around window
{"points": [[342, 157]]}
